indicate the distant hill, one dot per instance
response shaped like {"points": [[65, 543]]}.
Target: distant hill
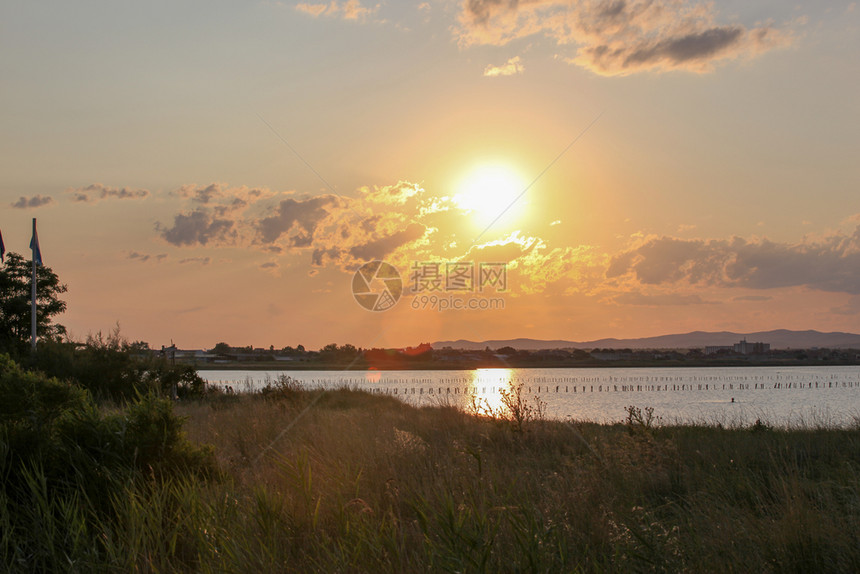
{"points": [[779, 339]]}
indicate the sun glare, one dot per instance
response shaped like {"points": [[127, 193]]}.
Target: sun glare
{"points": [[491, 192]]}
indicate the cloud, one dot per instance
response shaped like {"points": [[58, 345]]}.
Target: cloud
{"points": [[403, 223], [312, 9], [535, 267], [143, 258], [216, 214], [299, 217], [198, 227], [621, 37], [383, 246], [200, 260], [568, 269], [319, 256], [504, 250], [202, 194], [32, 202], [830, 263], [96, 192], [349, 10], [397, 194], [400, 223], [510, 68], [225, 195]]}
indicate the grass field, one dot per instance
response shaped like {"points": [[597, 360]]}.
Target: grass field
{"points": [[345, 481]]}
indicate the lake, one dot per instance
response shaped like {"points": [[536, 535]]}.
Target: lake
{"points": [[732, 396]]}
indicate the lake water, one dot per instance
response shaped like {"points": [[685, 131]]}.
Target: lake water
{"points": [[732, 396]]}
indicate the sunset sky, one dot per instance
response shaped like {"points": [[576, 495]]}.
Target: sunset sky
{"points": [[217, 171]]}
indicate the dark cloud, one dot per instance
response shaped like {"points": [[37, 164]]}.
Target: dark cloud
{"points": [[829, 264], [621, 36], [198, 227], [222, 198], [379, 248], [302, 216], [702, 45], [143, 258], [234, 204], [97, 191], [206, 194], [480, 11], [33, 202], [200, 260], [319, 256]]}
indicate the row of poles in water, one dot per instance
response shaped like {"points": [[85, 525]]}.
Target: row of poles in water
{"points": [[590, 380], [577, 384], [585, 389], [493, 387]]}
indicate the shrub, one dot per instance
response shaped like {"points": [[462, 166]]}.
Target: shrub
{"points": [[110, 368], [58, 449]]}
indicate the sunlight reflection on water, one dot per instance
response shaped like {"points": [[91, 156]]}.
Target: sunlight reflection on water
{"points": [[782, 396]]}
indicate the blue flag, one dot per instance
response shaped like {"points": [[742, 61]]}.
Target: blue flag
{"points": [[34, 245], [2, 249]]}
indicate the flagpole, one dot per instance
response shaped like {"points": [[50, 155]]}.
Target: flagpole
{"points": [[34, 245]]}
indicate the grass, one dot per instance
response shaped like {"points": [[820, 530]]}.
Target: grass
{"points": [[365, 483]]}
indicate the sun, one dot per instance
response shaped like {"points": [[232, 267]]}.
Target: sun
{"points": [[491, 193]]}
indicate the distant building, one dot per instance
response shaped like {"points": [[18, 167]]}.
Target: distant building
{"points": [[745, 348], [740, 348]]}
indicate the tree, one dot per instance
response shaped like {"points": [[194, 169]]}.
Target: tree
{"points": [[222, 349], [16, 280]]}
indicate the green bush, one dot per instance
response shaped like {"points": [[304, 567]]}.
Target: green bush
{"points": [[110, 368], [59, 451]]}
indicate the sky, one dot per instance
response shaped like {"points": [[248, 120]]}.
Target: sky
{"points": [[220, 171]]}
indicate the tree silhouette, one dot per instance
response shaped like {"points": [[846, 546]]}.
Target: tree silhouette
{"points": [[16, 279]]}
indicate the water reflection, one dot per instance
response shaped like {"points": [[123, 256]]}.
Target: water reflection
{"points": [[485, 388], [779, 396]]}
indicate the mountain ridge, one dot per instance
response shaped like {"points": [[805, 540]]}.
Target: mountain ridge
{"points": [[778, 339]]}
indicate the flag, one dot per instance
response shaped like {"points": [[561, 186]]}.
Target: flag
{"points": [[2, 249], [34, 245]]}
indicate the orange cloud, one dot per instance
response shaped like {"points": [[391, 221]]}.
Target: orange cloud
{"points": [[349, 10], [510, 68]]}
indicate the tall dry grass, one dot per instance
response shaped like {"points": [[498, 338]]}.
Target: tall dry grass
{"points": [[346, 481]]}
